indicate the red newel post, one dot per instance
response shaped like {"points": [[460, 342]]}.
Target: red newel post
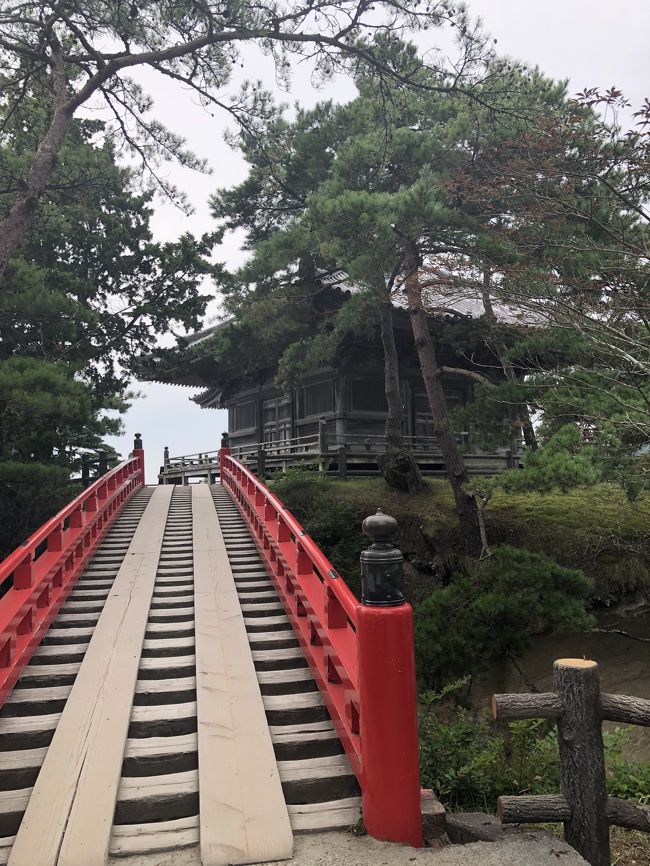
{"points": [[138, 451], [387, 692], [224, 451]]}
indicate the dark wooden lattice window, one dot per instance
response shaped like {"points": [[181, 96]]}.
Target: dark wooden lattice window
{"points": [[368, 395], [423, 418], [316, 399], [277, 420], [243, 416]]}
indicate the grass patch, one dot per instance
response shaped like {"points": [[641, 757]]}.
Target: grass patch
{"points": [[629, 847]]}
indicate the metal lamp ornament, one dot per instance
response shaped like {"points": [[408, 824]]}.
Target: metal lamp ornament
{"points": [[382, 564]]}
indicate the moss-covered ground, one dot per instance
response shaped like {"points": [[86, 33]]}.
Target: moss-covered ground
{"points": [[596, 529]]}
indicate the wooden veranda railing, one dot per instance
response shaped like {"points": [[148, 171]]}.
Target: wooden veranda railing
{"points": [[579, 708], [330, 453], [37, 577], [361, 655]]}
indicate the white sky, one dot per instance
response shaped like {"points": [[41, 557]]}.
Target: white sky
{"points": [[593, 43]]}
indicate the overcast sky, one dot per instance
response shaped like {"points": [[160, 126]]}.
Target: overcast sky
{"points": [[592, 43]]}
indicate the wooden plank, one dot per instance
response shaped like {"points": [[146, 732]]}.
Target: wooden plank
{"points": [[129, 839], [272, 636], [146, 747], [293, 701], [69, 816], [22, 758], [168, 642], [6, 843], [161, 615], [173, 626], [14, 801], [333, 815], [71, 649], [303, 727], [156, 712], [277, 655], [133, 788], [315, 768], [48, 672], [243, 816], [28, 724], [289, 675], [173, 684], [166, 663], [30, 696], [274, 605]]}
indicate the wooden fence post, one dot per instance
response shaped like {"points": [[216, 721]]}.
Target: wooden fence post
{"points": [[583, 805], [343, 462], [261, 463], [323, 445], [582, 763]]}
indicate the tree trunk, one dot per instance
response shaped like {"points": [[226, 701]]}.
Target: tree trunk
{"points": [[397, 464], [523, 415], [391, 380], [465, 503], [23, 210], [530, 437]]}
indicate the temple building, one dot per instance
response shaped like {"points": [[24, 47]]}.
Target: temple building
{"points": [[343, 405]]}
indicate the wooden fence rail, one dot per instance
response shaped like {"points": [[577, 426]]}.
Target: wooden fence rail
{"points": [[583, 805]]}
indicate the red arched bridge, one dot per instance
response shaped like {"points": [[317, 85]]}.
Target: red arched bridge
{"points": [[182, 666]]}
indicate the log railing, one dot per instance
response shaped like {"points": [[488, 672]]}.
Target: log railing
{"points": [[37, 577], [361, 655], [583, 805]]}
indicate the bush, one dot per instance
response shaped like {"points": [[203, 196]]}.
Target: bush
{"points": [[490, 612], [629, 780], [469, 762], [335, 525]]}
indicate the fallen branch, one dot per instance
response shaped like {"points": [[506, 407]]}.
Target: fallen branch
{"points": [[619, 631]]}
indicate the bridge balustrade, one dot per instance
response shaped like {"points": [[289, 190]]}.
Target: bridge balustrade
{"points": [[361, 656], [38, 576]]}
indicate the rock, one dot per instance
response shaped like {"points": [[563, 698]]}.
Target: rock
{"points": [[466, 827], [433, 815]]}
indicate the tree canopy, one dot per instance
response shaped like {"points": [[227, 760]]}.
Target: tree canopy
{"points": [[86, 294], [76, 51], [424, 197]]}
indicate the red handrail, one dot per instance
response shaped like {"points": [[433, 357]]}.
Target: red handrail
{"points": [[44, 568], [361, 658]]}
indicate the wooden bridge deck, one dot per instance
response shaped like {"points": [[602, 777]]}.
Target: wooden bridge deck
{"points": [[169, 704]]}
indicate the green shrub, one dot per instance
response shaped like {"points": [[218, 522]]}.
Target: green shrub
{"points": [[463, 762], [296, 481], [629, 780], [491, 611], [334, 524], [469, 762]]}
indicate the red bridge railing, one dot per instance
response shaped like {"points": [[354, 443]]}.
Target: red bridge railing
{"points": [[41, 572], [360, 655]]}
